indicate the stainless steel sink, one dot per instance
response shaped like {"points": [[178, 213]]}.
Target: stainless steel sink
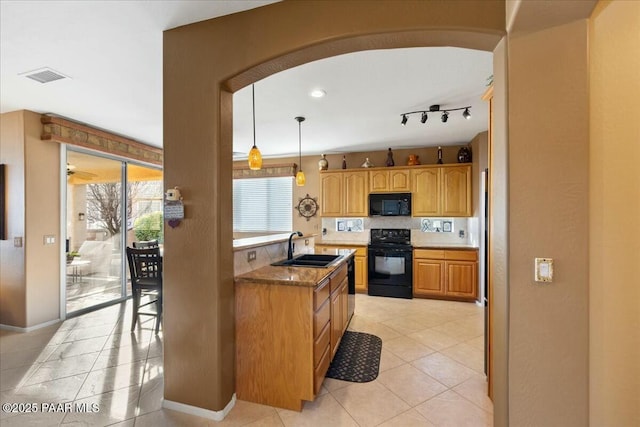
{"points": [[310, 260]]}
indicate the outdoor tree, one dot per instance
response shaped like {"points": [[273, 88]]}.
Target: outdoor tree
{"points": [[104, 204]]}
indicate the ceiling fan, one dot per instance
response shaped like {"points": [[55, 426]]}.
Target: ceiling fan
{"points": [[71, 170]]}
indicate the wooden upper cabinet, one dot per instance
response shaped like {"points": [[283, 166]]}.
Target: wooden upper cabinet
{"points": [[426, 192], [394, 180], [399, 180], [331, 194], [378, 181], [437, 190], [456, 191], [355, 200]]}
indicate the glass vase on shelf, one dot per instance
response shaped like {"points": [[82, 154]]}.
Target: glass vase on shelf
{"points": [[439, 155], [344, 162], [323, 163], [390, 161]]}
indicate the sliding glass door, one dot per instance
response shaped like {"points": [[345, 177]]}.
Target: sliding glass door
{"points": [[101, 217]]}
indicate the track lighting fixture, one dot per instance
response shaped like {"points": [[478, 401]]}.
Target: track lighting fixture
{"points": [[436, 109]]}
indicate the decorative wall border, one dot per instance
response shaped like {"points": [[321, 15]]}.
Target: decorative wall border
{"points": [[267, 171], [67, 132]]}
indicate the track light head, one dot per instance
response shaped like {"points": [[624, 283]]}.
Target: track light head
{"points": [[466, 114], [424, 117], [445, 117], [404, 119]]}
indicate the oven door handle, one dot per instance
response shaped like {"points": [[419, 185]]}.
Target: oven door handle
{"points": [[387, 251]]}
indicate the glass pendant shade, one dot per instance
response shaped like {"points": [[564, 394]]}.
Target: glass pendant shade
{"points": [[300, 179], [255, 159]]}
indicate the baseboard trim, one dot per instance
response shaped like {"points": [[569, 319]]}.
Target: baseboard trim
{"points": [[30, 328], [200, 412]]}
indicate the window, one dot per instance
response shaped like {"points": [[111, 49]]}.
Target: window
{"points": [[263, 204]]}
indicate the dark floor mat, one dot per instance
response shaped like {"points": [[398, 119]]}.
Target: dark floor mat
{"points": [[357, 359]]}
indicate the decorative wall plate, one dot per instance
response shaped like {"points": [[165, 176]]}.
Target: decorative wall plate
{"points": [[307, 207]]}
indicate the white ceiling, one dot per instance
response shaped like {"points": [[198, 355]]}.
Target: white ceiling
{"points": [[112, 52]]}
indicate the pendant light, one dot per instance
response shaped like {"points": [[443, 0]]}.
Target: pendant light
{"points": [[255, 158], [300, 179]]}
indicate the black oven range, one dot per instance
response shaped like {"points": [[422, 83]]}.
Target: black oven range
{"points": [[390, 258]]}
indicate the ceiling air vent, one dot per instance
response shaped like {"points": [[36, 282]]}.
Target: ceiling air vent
{"points": [[44, 75]]}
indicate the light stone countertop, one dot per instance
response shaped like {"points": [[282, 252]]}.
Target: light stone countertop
{"points": [[421, 245], [340, 243], [296, 276], [462, 246]]}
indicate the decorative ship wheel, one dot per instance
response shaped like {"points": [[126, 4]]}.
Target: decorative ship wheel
{"points": [[307, 207]]}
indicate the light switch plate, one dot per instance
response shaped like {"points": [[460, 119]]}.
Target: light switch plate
{"points": [[251, 256], [544, 270]]}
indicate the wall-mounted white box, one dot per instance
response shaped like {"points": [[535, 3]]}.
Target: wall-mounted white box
{"points": [[544, 269]]}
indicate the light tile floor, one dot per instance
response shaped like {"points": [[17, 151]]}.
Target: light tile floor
{"points": [[431, 373]]}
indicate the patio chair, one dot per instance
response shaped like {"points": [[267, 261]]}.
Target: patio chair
{"points": [[145, 267]]}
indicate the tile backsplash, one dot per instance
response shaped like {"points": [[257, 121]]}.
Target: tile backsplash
{"points": [[464, 231]]}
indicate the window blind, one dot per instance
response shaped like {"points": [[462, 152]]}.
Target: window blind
{"points": [[263, 204]]}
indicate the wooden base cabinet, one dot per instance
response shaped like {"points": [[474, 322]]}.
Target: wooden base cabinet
{"points": [[445, 274], [360, 264], [428, 277], [286, 336]]}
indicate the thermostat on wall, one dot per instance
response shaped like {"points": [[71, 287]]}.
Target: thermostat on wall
{"points": [[544, 270]]}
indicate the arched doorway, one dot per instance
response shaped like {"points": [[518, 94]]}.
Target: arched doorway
{"points": [[204, 64]]}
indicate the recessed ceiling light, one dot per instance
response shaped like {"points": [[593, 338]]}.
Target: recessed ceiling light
{"points": [[318, 93]]}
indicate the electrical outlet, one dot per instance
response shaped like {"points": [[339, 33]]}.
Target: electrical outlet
{"points": [[17, 242], [251, 256], [306, 242]]}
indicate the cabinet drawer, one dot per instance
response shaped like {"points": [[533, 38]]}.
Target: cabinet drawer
{"points": [[429, 253], [320, 294], [337, 278], [321, 318], [321, 344], [321, 370], [461, 255]]}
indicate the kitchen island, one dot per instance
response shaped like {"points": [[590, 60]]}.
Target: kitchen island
{"points": [[289, 322]]}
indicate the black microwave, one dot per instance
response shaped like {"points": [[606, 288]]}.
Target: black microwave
{"points": [[390, 204]]}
